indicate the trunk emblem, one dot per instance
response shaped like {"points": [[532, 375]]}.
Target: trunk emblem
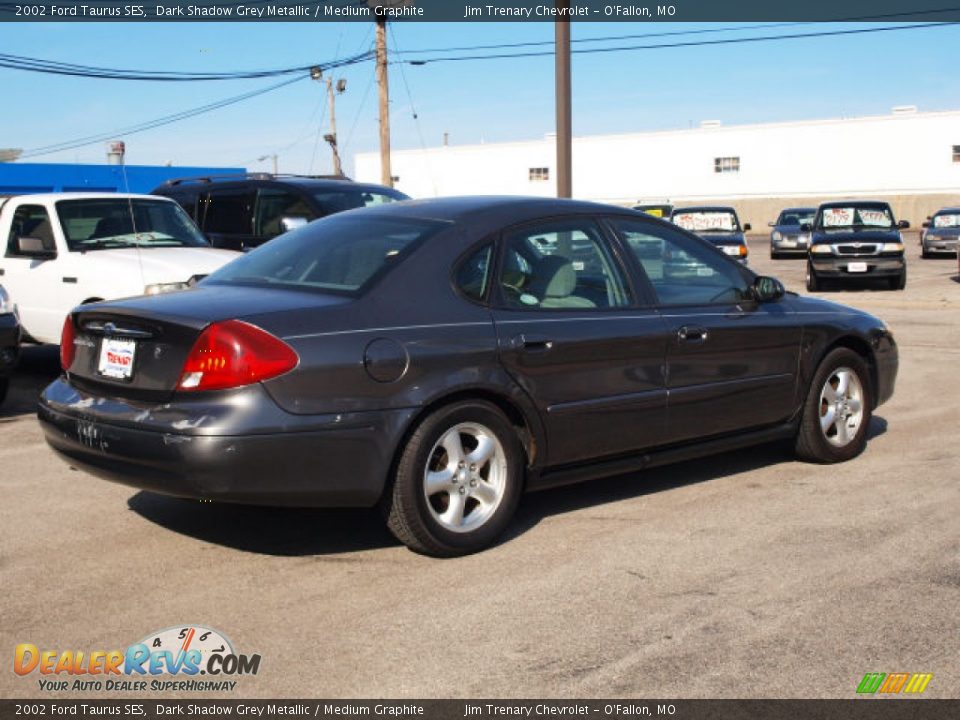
{"points": [[111, 329]]}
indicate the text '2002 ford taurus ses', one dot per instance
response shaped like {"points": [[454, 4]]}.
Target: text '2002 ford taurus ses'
{"points": [[439, 357]]}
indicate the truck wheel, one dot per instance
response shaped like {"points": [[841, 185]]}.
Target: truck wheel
{"points": [[899, 282], [458, 481], [813, 284], [837, 410]]}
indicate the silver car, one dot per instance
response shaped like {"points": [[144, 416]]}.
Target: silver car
{"points": [[940, 233], [787, 238]]}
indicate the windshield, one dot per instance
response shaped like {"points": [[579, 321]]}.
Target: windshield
{"points": [[339, 254], [340, 200], [796, 217], [857, 216], [700, 221], [107, 223], [947, 220]]}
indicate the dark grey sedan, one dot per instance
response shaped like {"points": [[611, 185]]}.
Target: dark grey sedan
{"points": [[437, 358]]}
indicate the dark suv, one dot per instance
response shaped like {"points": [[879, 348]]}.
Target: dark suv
{"points": [[239, 212], [855, 240]]}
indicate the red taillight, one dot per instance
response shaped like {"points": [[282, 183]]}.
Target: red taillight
{"points": [[233, 353], [67, 349]]}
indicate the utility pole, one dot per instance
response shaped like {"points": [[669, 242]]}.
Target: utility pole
{"points": [[386, 174], [331, 137], [267, 157], [564, 119]]}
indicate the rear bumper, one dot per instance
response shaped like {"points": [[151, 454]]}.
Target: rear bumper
{"points": [[317, 461], [9, 343], [838, 267]]}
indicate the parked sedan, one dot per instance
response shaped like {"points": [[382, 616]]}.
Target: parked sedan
{"points": [[787, 238], [437, 358], [9, 341], [941, 232], [719, 226], [856, 240]]}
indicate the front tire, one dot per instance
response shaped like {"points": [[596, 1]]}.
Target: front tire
{"points": [[837, 411], [458, 481], [899, 282], [813, 284]]}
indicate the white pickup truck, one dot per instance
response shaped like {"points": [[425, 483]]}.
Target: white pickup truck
{"points": [[66, 249]]}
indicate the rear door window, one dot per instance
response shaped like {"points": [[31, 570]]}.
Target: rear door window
{"points": [[561, 265], [229, 212], [275, 205]]}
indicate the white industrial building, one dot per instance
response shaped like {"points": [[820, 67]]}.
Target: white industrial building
{"points": [[908, 157]]}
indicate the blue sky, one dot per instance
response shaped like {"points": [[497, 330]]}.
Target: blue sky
{"points": [[475, 101]]}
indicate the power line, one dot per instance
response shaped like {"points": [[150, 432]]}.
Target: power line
{"points": [[700, 43], [158, 122], [51, 67], [673, 33]]}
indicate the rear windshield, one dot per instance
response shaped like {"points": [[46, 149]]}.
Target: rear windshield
{"points": [[856, 216], [339, 254], [103, 224], [703, 221]]}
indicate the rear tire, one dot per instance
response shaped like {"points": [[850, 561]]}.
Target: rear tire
{"points": [[458, 481], [837, 411], [4, 386]]}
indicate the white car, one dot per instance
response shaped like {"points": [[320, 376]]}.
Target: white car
{"points": [[67, 249]]}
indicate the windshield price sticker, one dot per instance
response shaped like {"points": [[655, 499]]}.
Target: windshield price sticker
{"points": [[704, 221]]}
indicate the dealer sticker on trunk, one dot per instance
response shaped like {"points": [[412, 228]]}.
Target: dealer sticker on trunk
{"points": [[116, 358]]}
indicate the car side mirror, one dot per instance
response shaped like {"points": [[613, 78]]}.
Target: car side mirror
{"points": [[771, 224], [767, 289], [292, 223], [747, 227], [903, 224], [34, 247], [926, 224], [806, 227]]}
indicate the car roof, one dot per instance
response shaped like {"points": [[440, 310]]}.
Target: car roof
{"points": [[47, 197], [492, 209], [947, 211], [297, 181], [845, 203], [704, 208], [798, 209]]}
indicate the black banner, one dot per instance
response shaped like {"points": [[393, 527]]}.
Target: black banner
{"points": [[478, 11], [857, 709]]}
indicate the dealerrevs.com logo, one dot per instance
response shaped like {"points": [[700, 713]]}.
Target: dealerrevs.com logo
{"points": [[182, 658]]}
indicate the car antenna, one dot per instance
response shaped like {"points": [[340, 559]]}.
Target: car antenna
{"points": [[133, 222]]}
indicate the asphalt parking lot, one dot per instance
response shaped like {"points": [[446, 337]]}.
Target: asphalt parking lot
{"points": [[745, 575]]}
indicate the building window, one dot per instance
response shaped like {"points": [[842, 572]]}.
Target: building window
{"points": [[540, 174], [956, 153], [726, 164]]}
